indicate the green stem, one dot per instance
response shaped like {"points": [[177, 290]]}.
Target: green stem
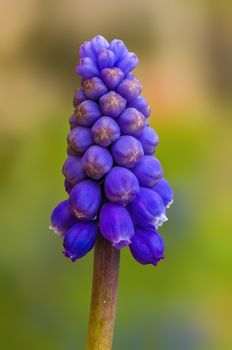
{"points": [[104, 296]]}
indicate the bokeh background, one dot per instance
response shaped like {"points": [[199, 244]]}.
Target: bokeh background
{"points": [[185, 52]]}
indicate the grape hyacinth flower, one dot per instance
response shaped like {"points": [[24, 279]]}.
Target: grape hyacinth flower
{"points": [[117, 195]]}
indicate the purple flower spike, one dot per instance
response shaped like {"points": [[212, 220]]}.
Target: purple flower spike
{"points": [[105, 131], [86, 50], [165, 191], [97, 162], [116, 225], [148, 171], [73, 170], [147, 246], [131, 122], [106, 59], [80, 139], [94, 88], [112, 104], [85, 199], [112, 77], [80, 239], [121, 185], [99, 42], [149, 140], [87, 68], [141, 104], [128, 62], [79, 97], [62, 218], [119, 49], [126, 151], [129, 89], [87, 113], [147, 208]]}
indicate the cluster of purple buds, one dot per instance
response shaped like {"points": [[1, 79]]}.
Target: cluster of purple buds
{"points": [[116, 186]]}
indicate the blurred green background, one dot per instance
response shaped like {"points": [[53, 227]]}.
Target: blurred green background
{"points": [[185, 52]]}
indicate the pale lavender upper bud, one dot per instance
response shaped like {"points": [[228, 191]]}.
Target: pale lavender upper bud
{"points": [[94, 88], [105, 131], [87, 68], [87, 113], [105, 59], [128, 62], [80, 139], [86, 50], [112, 77], [79, 97], [126, 151], [97, 161], [148, 171], [116, 225], [119, 49], [73, 170], [129, 89], [131, 121], [112, 104], [99, 42]]}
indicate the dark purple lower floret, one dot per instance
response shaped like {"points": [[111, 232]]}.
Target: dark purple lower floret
{"points": [[62, 218], [131, 122], [126, 151], [85, 199], [80, 139], [80, 239], [147, 246], [121, 185], [148, 171], [116, 225], [105, 131], [149, 140], [97, 162], [165, 191], [73, 170], [147, 208]]}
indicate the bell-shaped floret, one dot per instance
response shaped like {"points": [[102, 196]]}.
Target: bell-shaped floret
{"points": [[97, 162], [147, 246], [165, 191], [116, 225], [73, 170], [119, 49], [141, 104], [62, 218], [149, 140], [94, 88], [112, 104], [85, 199], [112, 77], [129, 89], [87, 113], [80, 139], [126, 151], [128, 62], [80, 239], [87, 68], [86, 50], [121, 185], [131, 122], [99, 43], [148, 171], [105, 59], [105, 131]]}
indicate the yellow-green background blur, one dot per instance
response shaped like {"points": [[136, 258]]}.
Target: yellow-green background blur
{"points": [[184, 48]]}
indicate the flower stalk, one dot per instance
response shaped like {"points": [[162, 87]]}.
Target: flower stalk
{"points": [[104, 296]]}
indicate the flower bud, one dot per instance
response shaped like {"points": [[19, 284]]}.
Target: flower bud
{"points": [[112, 77], [72, 122], [112, 104], [80, 239], [147, 208], [80, 139], [72, 170], [131, 121], [87, 68], [149, 140], [94, 88], [86, 50], [87, 113], [121, 185], [99, 42], [165, 191], [79, 97], [106, 59], [148, 171], [147, 246], [119, 49], [85, 199], [126, 151], [129, 89], [68, 186], [62, 218], [141, 104], [116, 225], [97, 161], [128, 62], [105, 131]]}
